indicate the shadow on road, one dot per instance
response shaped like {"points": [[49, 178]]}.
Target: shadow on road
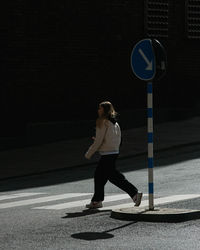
{"points": [[98, 235], [84, 213]]}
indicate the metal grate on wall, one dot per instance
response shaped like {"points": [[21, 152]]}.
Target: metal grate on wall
{"points": [[156, 18], [193, 19]]}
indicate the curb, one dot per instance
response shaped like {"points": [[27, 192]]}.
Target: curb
{"points": [[167, 215]]}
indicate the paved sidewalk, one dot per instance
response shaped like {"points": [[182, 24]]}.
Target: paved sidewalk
{"points": [[69, 153]]}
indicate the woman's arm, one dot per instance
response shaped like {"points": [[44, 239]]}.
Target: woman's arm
{"points": [[98, 140]]}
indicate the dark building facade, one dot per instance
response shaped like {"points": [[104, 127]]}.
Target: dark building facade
{"points": [[64, 57]]}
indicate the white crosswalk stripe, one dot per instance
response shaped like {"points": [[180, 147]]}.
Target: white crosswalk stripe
{"points": [[158, 201], [83, 202], [144, 203], [122, 200], [17, 195], [40, 200]]}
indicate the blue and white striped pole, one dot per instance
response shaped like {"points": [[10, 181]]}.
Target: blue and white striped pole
{"points": [[150, 144]]}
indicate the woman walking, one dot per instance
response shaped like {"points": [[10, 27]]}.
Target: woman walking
{"points": [[107, 142]]}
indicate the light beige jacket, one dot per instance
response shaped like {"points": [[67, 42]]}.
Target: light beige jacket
{"points": [[107, 139]]}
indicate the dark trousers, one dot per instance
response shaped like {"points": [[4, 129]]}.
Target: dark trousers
{"points": [[106, 171]]}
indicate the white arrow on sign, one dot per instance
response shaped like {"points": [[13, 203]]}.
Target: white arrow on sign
{"points": [[149, 64]]}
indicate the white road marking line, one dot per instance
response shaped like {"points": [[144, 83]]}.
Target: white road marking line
{"points": [[65, 205], [17, 195], [41, 200], [84, 202], [110, 198], [159, 201]]}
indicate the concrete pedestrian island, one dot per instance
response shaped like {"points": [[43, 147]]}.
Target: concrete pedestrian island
{"points": [[170, 215]]}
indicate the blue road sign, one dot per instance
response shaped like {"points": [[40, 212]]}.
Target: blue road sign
{"points": [[143, 60]]}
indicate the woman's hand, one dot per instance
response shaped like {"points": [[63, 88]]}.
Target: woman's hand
{"points": [[86, 156]]}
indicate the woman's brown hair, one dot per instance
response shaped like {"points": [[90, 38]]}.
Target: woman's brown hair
{"points": [[109, 112]]}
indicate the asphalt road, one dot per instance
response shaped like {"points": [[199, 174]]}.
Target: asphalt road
{"points": [[43, 211]]}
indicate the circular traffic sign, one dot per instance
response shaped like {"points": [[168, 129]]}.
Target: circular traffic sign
{"points": [[143, 60]]}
